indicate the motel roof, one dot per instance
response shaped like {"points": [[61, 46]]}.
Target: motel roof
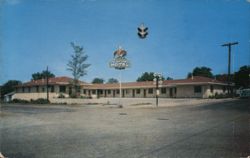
{"points": [[196, 80], [52, 81]]}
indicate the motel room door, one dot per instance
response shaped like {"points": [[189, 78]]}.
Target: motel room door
{"points": [[123, 93], [70, 90], [105, 93], [171, 92], [89, 93]]}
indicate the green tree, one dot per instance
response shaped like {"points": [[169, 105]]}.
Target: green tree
{"points": [[41, 75], [112, 80], [147, 76], [77, 66], [242, 77], [169, 78], [223, 77], [98, 80], [9, 86], [201, 71], [189, 75]]}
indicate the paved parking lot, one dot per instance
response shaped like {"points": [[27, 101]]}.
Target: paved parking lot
{"points": [[209, 129]]}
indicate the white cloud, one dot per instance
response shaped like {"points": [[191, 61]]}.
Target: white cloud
{"points": [[248, 1]]}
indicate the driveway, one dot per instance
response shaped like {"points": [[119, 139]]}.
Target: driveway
{"points": [[210, 129]]}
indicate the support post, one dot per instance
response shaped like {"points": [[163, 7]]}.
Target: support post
{"points": [[120, 87], [47, 83], [157, 88]]}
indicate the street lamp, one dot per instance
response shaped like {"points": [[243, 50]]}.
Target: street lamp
{"points": [[120, 62], [158, 83]]}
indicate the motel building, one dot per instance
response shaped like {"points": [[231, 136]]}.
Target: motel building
{"points": [[195, 87]]}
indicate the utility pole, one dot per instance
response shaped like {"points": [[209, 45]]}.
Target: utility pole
{"points": [[157, 90], [47, 83], [229, 90]]}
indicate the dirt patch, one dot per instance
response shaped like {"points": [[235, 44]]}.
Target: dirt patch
{"points": [[4, 114]]}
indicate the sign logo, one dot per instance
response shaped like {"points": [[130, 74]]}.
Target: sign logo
{"points": [[119, 61]]}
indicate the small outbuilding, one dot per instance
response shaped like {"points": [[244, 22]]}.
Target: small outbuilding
{"points": [[8, 96]]}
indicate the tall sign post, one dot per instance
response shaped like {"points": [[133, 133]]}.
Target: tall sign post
{"points": [[120, 62], [158, 83]]}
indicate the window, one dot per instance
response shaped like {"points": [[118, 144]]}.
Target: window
{"points": [[43, 89], [37, 88], [100, 92], [84, 91], [93, 92], [62, 89], [109, 91], [23, 89], [163, 90], [52, 89], [150, 91], [211, 88], [138, 91], [29, 89], [117, 91], [197, 89]]}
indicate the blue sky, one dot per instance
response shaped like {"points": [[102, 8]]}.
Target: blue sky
{"points": [[182, 35]]}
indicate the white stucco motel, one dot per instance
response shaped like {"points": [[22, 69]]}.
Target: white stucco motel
{"points": [[195, 87]]}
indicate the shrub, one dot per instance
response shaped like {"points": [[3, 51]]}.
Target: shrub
{"points": [[19, 101], [61, 96], [73, 96], [40, 101], [211, 97], [84, 97], [220, 96]]}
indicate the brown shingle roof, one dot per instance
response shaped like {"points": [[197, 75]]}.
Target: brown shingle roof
{"points": [[55, 81], [195, 79], [148, 84]]}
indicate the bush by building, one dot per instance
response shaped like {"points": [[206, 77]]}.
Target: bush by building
{"points": [[40, 101], [37, 101]]}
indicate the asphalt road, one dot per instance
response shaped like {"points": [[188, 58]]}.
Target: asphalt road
{"points": [[216, 130]]}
